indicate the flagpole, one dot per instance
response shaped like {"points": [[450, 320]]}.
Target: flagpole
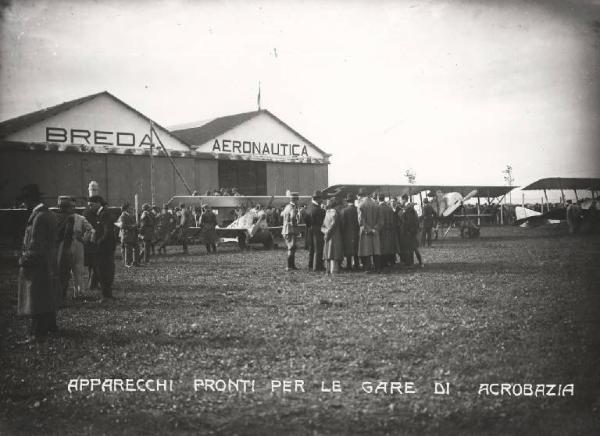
{"points": [[151, 165], [258, 98]]}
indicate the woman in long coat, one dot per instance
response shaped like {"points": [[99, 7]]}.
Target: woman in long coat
{"points": [[333, 250]]}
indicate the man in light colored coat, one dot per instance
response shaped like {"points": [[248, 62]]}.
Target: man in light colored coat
{"points": [[289, 230], [369, 245]]}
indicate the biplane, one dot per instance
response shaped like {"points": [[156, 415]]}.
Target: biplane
{"points": [[238, 217], [447, 200], [555, 215]]}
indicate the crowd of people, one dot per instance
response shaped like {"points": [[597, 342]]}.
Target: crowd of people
{"points": [[219, 192], [368, 234], [364, 233], [60, 246]]}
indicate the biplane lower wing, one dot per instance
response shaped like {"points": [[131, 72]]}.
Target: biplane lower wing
{"points": [[238, 201]]}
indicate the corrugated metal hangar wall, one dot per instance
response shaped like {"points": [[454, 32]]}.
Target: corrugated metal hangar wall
{"points": [[121, 176]]}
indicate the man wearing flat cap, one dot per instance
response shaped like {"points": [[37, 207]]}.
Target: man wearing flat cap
{"points": [[39, 290], [313, 219], [289, 230]]}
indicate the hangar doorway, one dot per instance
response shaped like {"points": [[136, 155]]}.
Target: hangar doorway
{"points": [[249, 177]]}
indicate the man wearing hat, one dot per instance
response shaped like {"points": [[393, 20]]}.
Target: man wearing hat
{"points": [[350, 232], [39, 290], [313, 219], [388, 236], [428, 218], [288, 231], [208, 224], [105, 244], [369, 220]]}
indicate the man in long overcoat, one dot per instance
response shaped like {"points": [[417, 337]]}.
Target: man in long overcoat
{"points": [[105, 242], [428, 221], [208, 224], [388, 236], [369, 220], [313, 219], [350, 232], [406, 255], [410, 227], [39, 291], [333, 249]]}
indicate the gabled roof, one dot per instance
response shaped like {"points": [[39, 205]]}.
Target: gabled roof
{"points": [[19, 123], [216, 127], [205, 132], [587, 183]]}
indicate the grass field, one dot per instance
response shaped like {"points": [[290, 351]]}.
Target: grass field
{"points": [[516, 306]]}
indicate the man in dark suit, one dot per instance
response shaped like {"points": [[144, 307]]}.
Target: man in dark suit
{"points": [[314, 217], [105, 242], [350, 232]]}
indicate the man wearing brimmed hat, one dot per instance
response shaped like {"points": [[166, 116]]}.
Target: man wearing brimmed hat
{"points": [[388, 236], [288, 231], [208, 224], [105, 242], [313, 219], [350, 232], [39, 289], [369, 220]]}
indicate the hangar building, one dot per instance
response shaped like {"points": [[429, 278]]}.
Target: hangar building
{"points": [[101, 138]]}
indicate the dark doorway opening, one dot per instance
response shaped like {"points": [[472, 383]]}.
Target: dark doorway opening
{"points": [[249, 177]]}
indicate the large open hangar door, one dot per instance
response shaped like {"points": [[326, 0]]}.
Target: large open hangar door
{"points": [[249, 177]]}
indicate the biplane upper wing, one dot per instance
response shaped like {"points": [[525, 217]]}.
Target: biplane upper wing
{"points": [[483, 191], [560, 183]]}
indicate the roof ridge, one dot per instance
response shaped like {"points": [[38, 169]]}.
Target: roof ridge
{"points": [[15, 124]]}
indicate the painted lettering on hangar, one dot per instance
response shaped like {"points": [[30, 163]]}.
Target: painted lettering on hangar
{"points": [[262, 148], [95, 137]]}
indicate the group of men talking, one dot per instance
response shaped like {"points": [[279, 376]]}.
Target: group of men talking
{"points": [[367, 233]]}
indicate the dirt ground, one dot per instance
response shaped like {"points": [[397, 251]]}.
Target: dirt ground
{"points": [[519, 306]]}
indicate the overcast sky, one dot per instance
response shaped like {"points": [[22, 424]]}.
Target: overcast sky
{"points": [[454, 91]]}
